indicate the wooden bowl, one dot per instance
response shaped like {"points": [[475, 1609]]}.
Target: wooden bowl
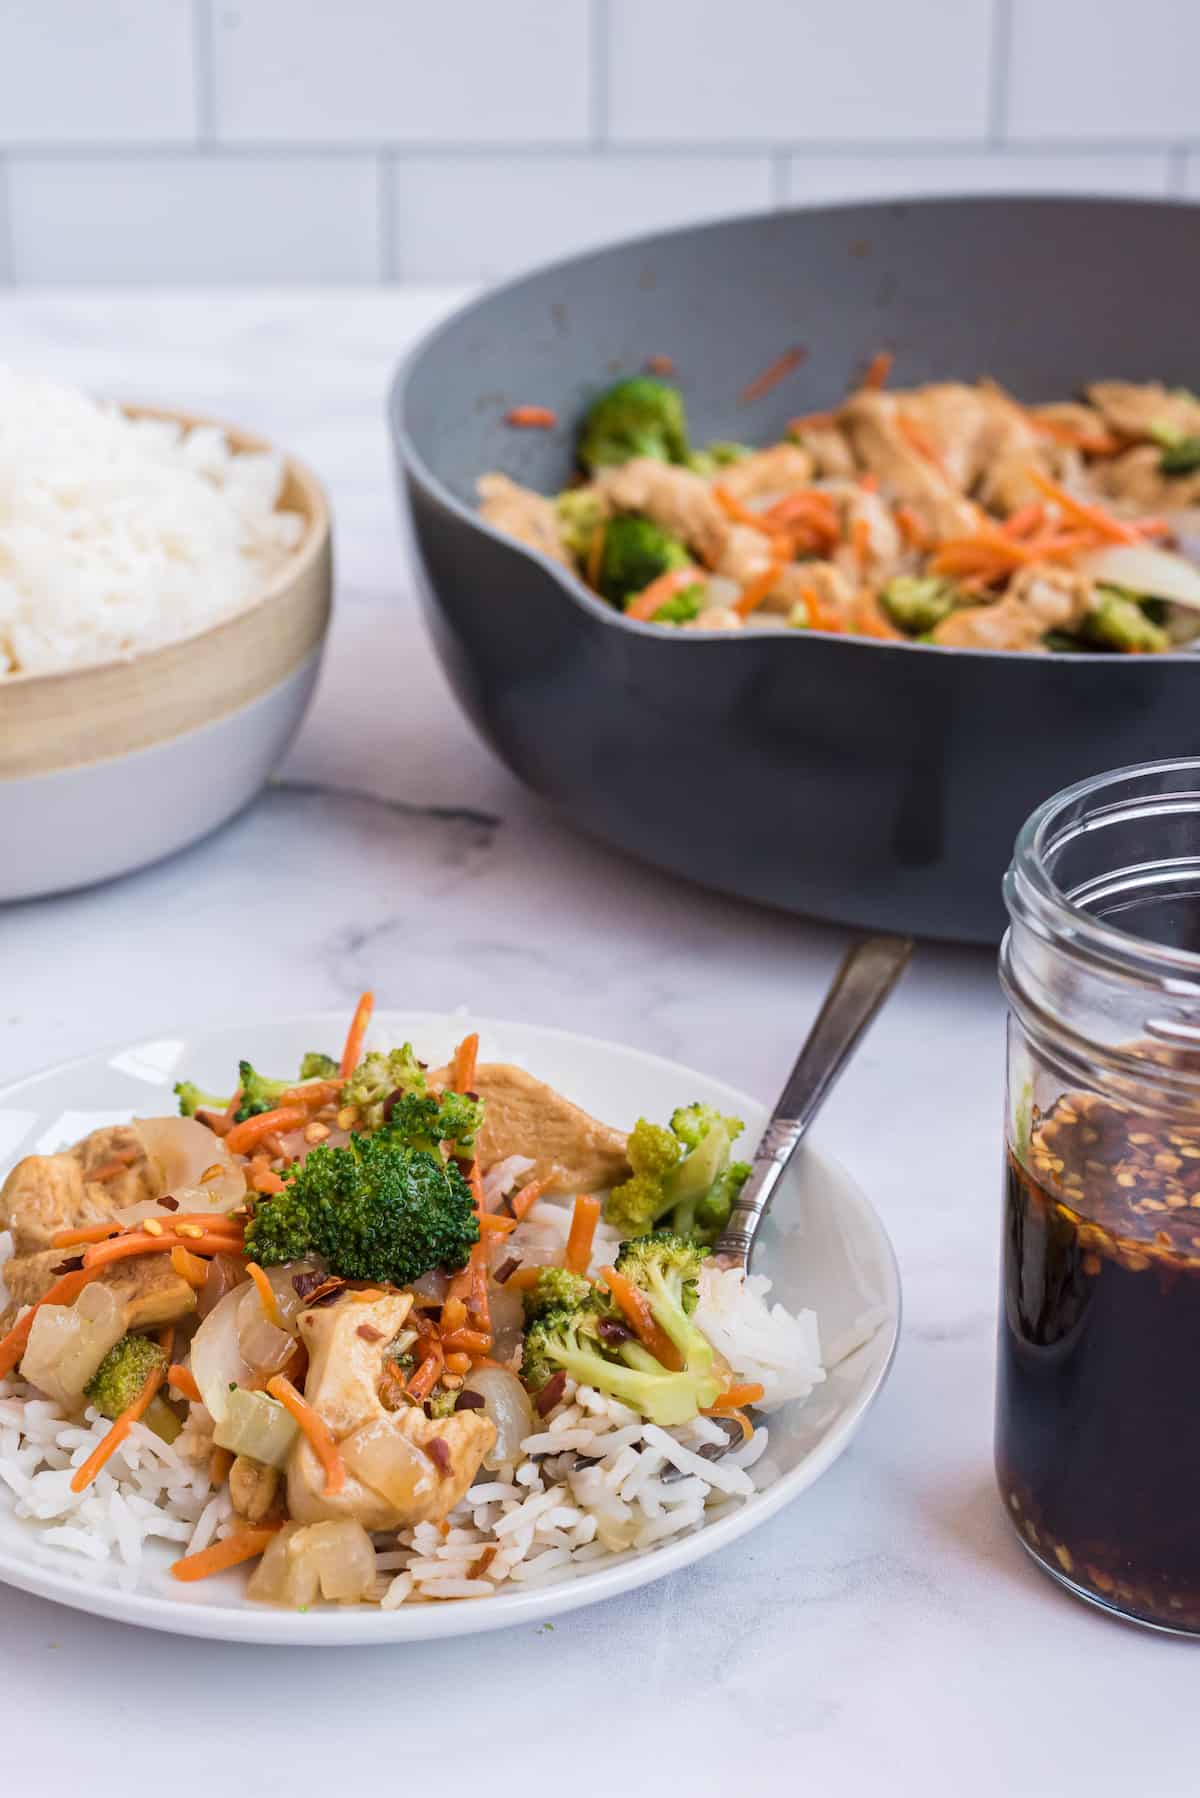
{"points": [[107, 767]]}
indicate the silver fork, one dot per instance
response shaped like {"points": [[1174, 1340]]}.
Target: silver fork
{"points": [[867, 975]]}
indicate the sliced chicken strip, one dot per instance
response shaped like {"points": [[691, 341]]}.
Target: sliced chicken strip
{"points": [[673, 498], [571, 1151], [873, 423], [778, 470], [1137, 409], [519, 512], [1135, 480], [1037, 600], [47, 1193]]}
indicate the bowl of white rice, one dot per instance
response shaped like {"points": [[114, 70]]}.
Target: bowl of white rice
{"points": [[165, 590]]}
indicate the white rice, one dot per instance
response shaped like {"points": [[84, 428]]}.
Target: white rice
{"points": [[595, 1482], [120, 534]]}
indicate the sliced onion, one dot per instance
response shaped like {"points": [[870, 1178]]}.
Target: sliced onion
{"points": [[334, 1560], [507, 1403], [1141, 569], [217, 1360], [224, 1273], [283, 1285], [432, 1285], [502, 1177], [68, 1342], [183, 1150], [390, 1464], [264, 1346], [508, 1317], [257, 1425]]}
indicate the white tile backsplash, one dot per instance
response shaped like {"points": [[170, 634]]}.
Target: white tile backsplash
{"points": [[205, 219], [1115, 69], [902, 175], [778, 70], [360, 71], [487, 216], [96, 71], [354, 140]]}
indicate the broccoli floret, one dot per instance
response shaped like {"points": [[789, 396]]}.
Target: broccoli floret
{"points": [[557, 1289], [379, 1075], [1181, 452], [798, 618], [258, 1094], [692, 1123], [442, 1404], [666, 1265], [123, 1373], [638, 417], [918, 602], [712, 1211], [638, 1203], [570, 1341], [374, 1210], [713, 456], [316, 1066], [681, 608], [192, 1100], [635, 553], [1117, 621], [420, 1121], [581, 512]]}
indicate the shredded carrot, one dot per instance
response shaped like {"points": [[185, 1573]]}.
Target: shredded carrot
{"points": [[230, 1551], [737, 511], [635, 1309], [65, 1290], [120, 1248], [528, 1196], [478, 1308], [69, 1239], [582, 1234], [1025, 520], [83, 1476], [474, 1342], [808, 519], [810, 421], [497, 1223], [183, 1380], [247, 1135], [772, 375], [918, 440], [466, 1060], [1092, 442], [219, 1463], [266, 1295], [425, 1378], [454, 1314], [878, 369], [645, 604], [531, 418], [869, 482], [523, 1279], [869, 620], [860, 541], [1093, 518], [755, 591], [734, 1397], [458, 1362], [189, 1267], [660, 365], [595, 555], [263, 1178], [313, 1094], [818, 618], [913, 528], [352, 1053], [108, 1170], [314, 1427]]}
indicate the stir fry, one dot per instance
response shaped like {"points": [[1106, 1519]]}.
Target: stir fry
{"points": [[949, 514], [337, 1303]]}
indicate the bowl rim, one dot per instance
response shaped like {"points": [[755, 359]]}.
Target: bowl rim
{"points": [[308, 551], [575, 588]]}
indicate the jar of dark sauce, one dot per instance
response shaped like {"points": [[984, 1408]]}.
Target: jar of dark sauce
{"points": [[1098, 1388]]}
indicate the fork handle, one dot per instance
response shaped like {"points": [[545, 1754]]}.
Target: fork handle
{"points": [[867, 975]]}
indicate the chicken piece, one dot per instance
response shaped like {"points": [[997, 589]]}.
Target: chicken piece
{"points": [[150, 1290], [26, 1278], [774, 471], [1038, 600], [969, 427], [519, 512], [675, 499], [570, 1151], [1136, 409], [1136, 482], [835, 593], [252, 1488], [1005, 485], [47, 1193], [1071, 419], [346, 1342], [716, 618], [874, 550], [872, 422], [832, 456]]}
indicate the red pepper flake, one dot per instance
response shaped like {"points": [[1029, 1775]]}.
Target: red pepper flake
{"points": [[168, 1203], [469, 1401], [531, 418], [659, 365], [771, 377], [369, 1333], [506, 1269], [70, 1266], [478, 1568], [550, 1394], [439, 1454], [317, 1289]]}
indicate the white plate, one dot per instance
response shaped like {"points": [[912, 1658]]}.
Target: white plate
{"points": [[823, 1247]]}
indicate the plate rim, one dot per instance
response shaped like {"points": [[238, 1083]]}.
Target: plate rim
{"points": [[348, 1626]]}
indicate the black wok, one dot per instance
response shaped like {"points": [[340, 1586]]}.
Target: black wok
{"points": [[875, 783]]}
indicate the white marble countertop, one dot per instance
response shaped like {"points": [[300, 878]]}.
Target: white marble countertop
{"points": [[885, 1632]]}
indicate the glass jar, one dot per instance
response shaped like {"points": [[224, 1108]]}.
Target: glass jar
{"points": [[1098, 1386]]}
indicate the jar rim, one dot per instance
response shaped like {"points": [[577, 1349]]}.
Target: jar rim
{"points": [[1034, 897]]}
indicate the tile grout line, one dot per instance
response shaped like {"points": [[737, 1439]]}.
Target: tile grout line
{"points": [[204, 71], [389, 269], [999, 68], [598, 48], [810, 149]]}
